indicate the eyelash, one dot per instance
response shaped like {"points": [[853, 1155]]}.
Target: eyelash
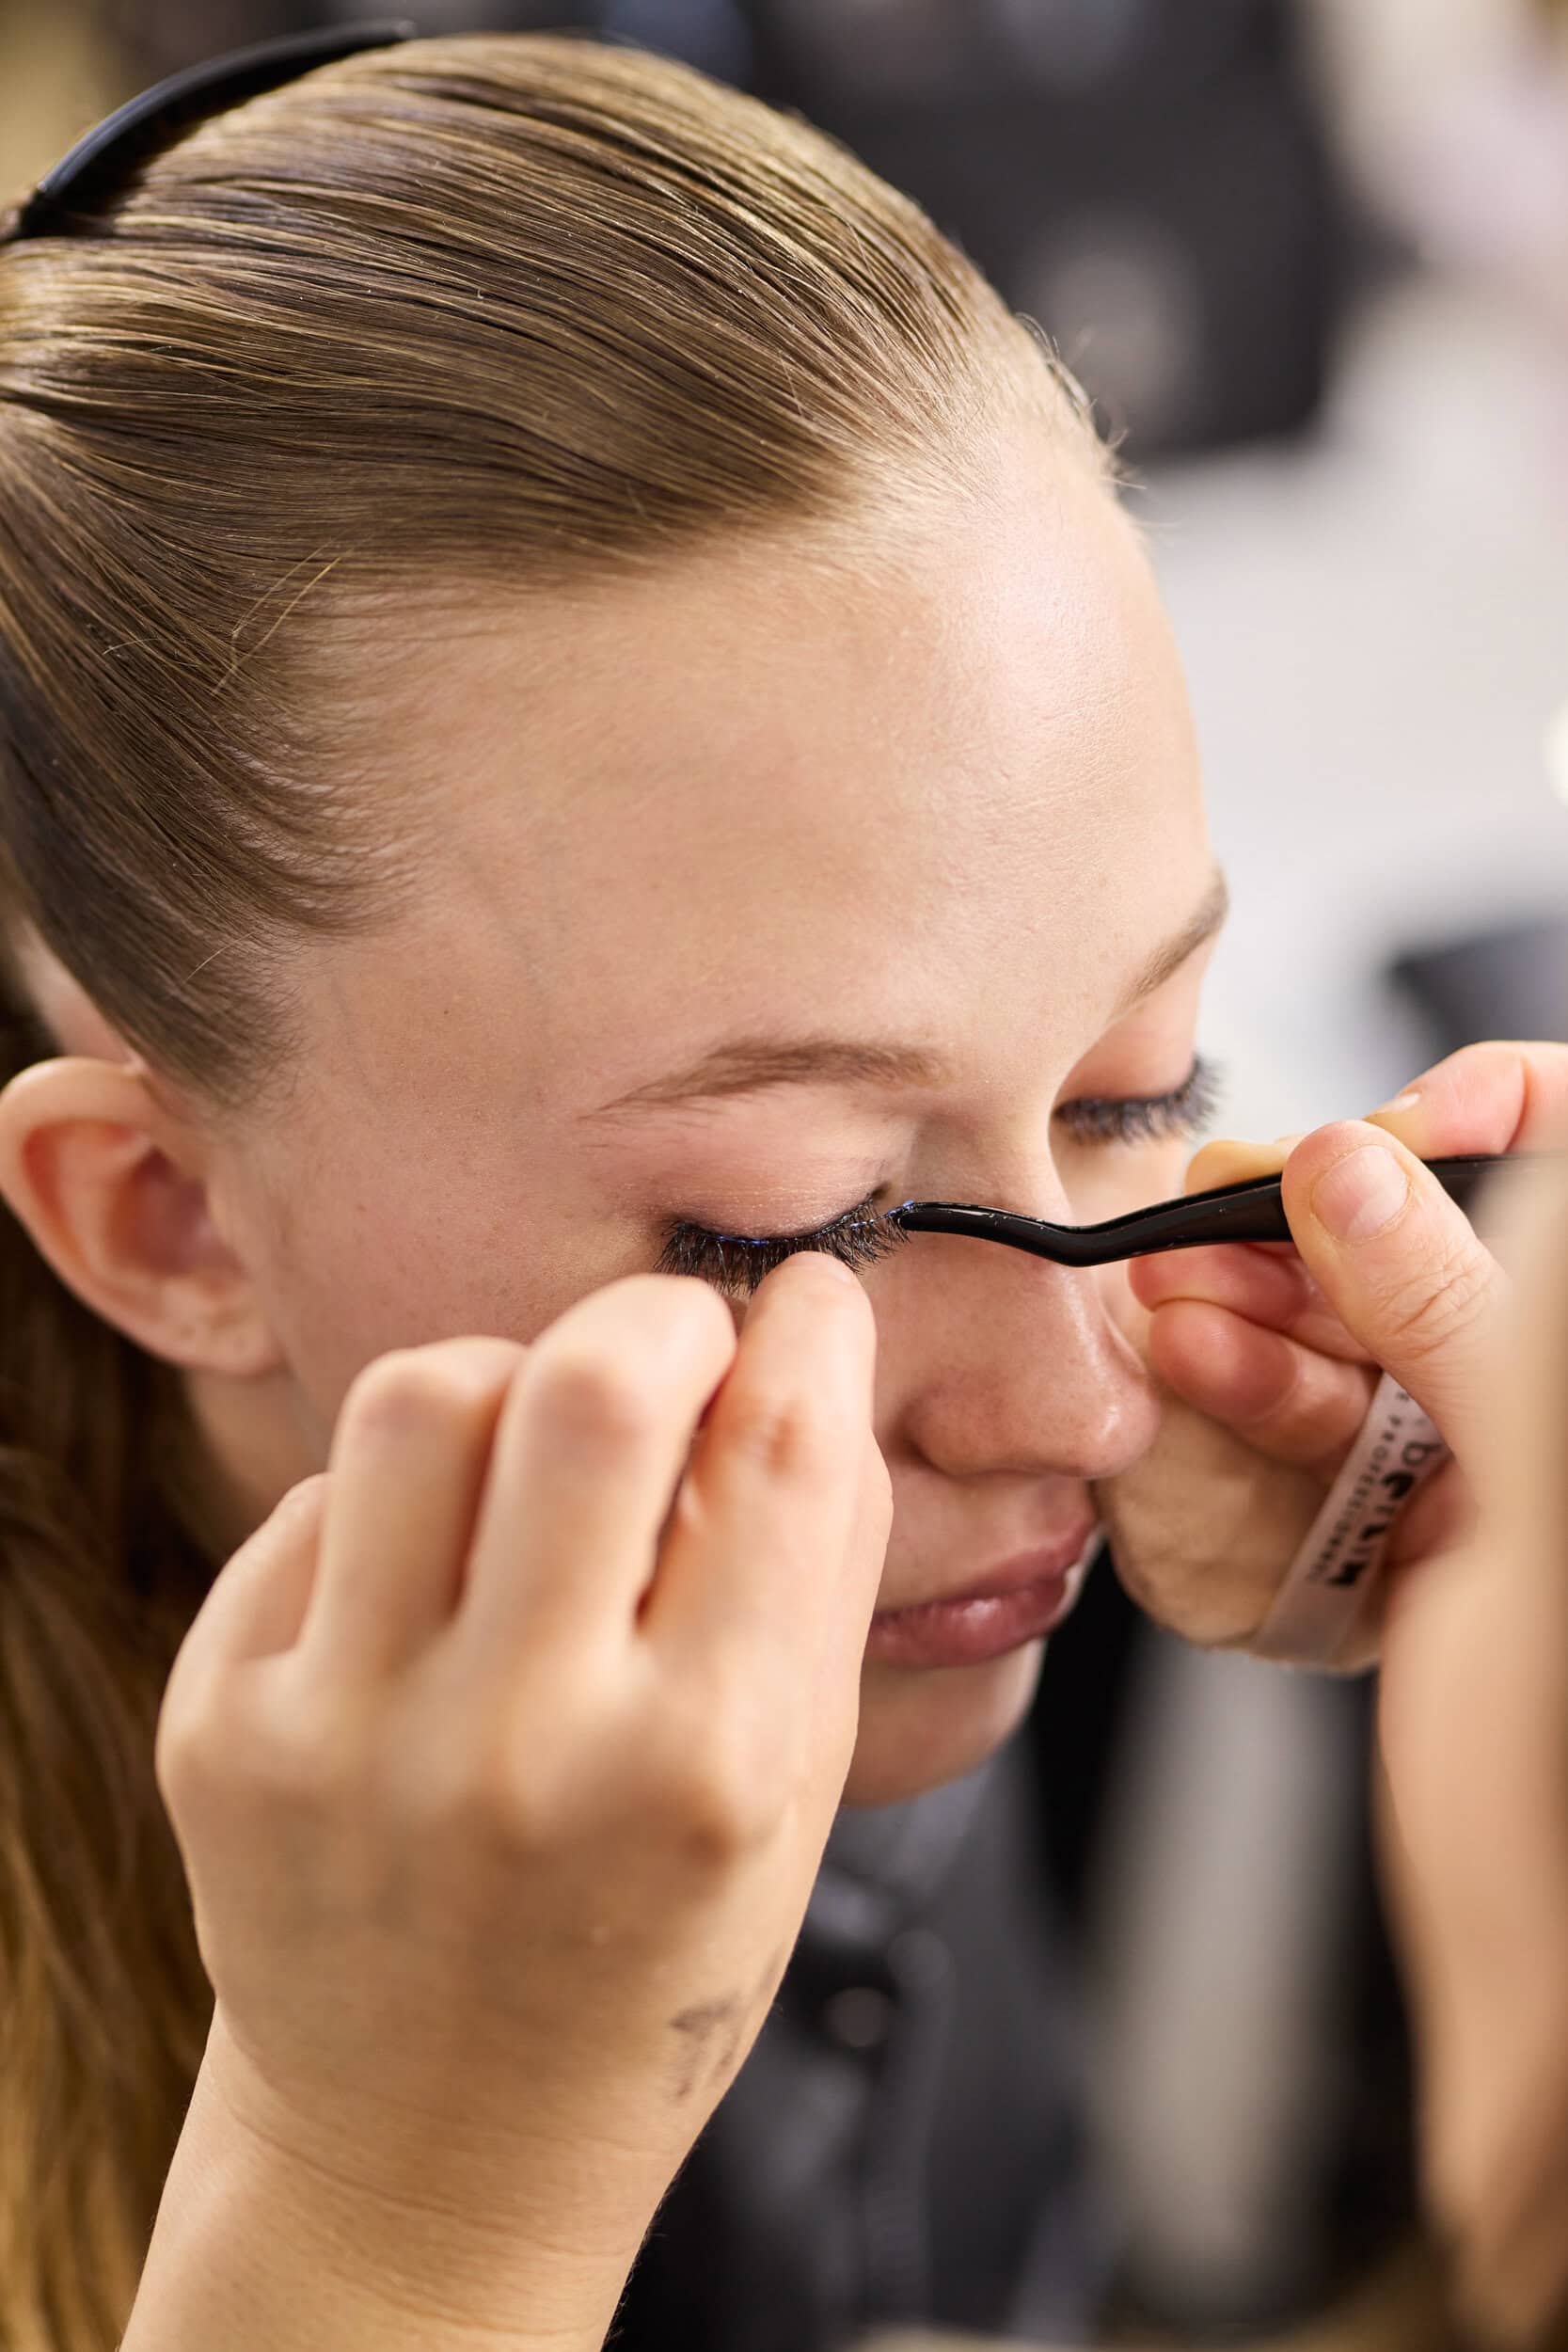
{"points": [[733, 1262]]}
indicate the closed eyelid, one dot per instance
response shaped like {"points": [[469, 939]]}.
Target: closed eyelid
{"points": [[1095, 1117], [863, 1234], [864, 1213]]}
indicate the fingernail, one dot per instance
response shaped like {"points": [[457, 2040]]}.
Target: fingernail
{"points": [[1289, 1143], [836, 1267], [1401, 1102], [1361, 1194]]}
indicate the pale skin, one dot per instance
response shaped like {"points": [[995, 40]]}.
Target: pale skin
{"points": [[942, 794], [875, 803]]}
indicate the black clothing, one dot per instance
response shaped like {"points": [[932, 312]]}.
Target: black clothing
{"points": [[904, 2144], [907, 2144]]}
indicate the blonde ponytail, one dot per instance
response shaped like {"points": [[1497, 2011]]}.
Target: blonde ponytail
{"points": [[104, 2004]]}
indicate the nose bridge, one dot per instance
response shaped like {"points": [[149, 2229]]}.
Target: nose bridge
{"points": [[1003, 1361]]}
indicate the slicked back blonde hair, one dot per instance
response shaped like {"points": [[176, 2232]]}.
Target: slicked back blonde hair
{"points": [[503, 312]]}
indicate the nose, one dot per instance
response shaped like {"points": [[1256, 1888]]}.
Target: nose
{"points": [[991, 1361]]}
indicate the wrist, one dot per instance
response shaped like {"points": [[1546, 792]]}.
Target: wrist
{"points": [[257, 2246], [1503, 2200]]}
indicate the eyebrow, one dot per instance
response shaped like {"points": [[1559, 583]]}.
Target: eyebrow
{"points": [[745, 1065]]}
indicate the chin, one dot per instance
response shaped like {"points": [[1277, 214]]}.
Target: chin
{"points": [[922, 1727]]}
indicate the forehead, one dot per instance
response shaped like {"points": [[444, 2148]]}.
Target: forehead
{"points": [[855, 779]]}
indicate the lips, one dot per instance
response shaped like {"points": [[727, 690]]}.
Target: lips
{"points": [[1010, 1575], [1019, 1601]]}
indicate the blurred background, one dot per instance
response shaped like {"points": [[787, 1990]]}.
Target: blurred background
{"points": [[1311, 258]]}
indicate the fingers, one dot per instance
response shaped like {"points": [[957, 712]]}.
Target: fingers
{"points": [[1400, 1266], [407, 1467], [589, 1447], [1266, 1281], [1495, 1097], [1227, 1160], [1531, 1504], [1420, 1299], [1294, 1402], [1473, 1726], [255, 1605], [1500, 1096], [523, 1496], [776, 1545]]}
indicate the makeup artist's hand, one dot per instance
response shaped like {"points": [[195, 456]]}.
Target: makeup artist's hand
{"points": [[1473, 1807], [1269, 1355], [502, 1759], [1277, 1357]]}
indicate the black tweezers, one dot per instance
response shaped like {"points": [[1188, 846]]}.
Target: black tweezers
{"points": [[1251, 1210]]}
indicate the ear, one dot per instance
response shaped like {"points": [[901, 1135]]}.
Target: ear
{"points": [[112, 1189]]}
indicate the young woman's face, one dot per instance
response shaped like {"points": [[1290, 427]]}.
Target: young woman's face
{"points": [[941, 798]]}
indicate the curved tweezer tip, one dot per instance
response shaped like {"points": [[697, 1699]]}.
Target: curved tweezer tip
{"points": [[1249, 1212]]}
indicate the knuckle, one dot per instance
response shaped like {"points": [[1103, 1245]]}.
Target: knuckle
{"points": [[580, 1392], [214, 1746], [785, 1434], [1426, 1313], [294, 1519], [491, 1796], [493, 1786], [189, 1740], [689, 1296], [306, 1496], [719, 1795], [718, 1815], [408, 1389], [302, 1750], [635, 1315]]}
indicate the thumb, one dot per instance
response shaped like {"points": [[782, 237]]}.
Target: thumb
{"points": [[1403, 1268]]}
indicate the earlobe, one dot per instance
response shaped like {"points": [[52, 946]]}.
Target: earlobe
{"points": [[113, 1194]]}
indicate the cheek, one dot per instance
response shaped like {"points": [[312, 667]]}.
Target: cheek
{"points": [[365, 1266]]}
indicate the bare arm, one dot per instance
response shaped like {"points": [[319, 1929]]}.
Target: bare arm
{"points": [[253, 2253]]}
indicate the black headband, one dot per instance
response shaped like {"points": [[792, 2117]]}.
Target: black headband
{"points": [[134, 131]]}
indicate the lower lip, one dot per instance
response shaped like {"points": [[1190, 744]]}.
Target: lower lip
{"points": [[969, 1632]]}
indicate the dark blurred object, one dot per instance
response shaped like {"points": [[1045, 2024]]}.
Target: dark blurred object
{"points": [[1504, 983], [1353, 2192], [162, 36], [1146, 178]]}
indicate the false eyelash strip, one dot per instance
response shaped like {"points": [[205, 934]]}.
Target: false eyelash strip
{"points": [[860, 1238]]}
